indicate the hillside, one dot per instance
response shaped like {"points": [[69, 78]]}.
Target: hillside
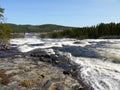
{"points": [[102, 30], [36, 28]]}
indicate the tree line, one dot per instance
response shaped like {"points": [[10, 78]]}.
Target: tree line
{"points": [[102, 30], [35, 28]]}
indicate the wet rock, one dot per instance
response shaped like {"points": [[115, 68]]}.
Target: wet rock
{"points": [[4, 47], [42, 72], [66, 72]]}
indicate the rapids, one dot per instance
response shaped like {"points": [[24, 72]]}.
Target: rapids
{"points": [[98, 61]]}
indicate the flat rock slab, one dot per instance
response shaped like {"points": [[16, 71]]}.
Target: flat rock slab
{"points": [[27, 73]]}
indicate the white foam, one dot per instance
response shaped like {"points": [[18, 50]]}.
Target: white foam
{"points": [[19, 41], [94, 72]]}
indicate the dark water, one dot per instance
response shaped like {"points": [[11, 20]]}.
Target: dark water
{"points": [[11, 52]]}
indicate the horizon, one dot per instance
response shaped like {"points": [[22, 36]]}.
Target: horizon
{"points": [[66, 13], [64, 25]]}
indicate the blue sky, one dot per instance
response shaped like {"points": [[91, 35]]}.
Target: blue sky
{"points": [[62, 12]]}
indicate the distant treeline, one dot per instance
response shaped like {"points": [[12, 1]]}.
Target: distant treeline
{"points": [[36, 28], [110, 30], [102, 30]]}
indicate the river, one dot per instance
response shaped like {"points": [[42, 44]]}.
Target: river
{"points": [[97, 60]]}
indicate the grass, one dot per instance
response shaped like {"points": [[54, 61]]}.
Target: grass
{"points": [[26, 83]]}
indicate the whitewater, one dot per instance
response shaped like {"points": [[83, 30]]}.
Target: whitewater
{"points": [[97, 60]]}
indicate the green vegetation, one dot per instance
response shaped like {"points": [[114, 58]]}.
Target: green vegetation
{"points": [[36, 28], [111, 30], [5, 31]]}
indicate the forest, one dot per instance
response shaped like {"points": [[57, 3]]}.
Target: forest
{"points": [[36, 28], [102, 30]]}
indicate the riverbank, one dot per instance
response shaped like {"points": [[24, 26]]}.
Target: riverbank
{"points": [[36, 71]]}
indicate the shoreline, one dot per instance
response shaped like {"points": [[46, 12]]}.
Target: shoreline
{"points": [[30, 71]]}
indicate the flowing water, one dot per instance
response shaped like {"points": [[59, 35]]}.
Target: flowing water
{"points": [[98, 61]]}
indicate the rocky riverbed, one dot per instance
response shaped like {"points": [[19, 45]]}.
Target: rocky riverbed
{"points": [[60, 64], [36, 70]]}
